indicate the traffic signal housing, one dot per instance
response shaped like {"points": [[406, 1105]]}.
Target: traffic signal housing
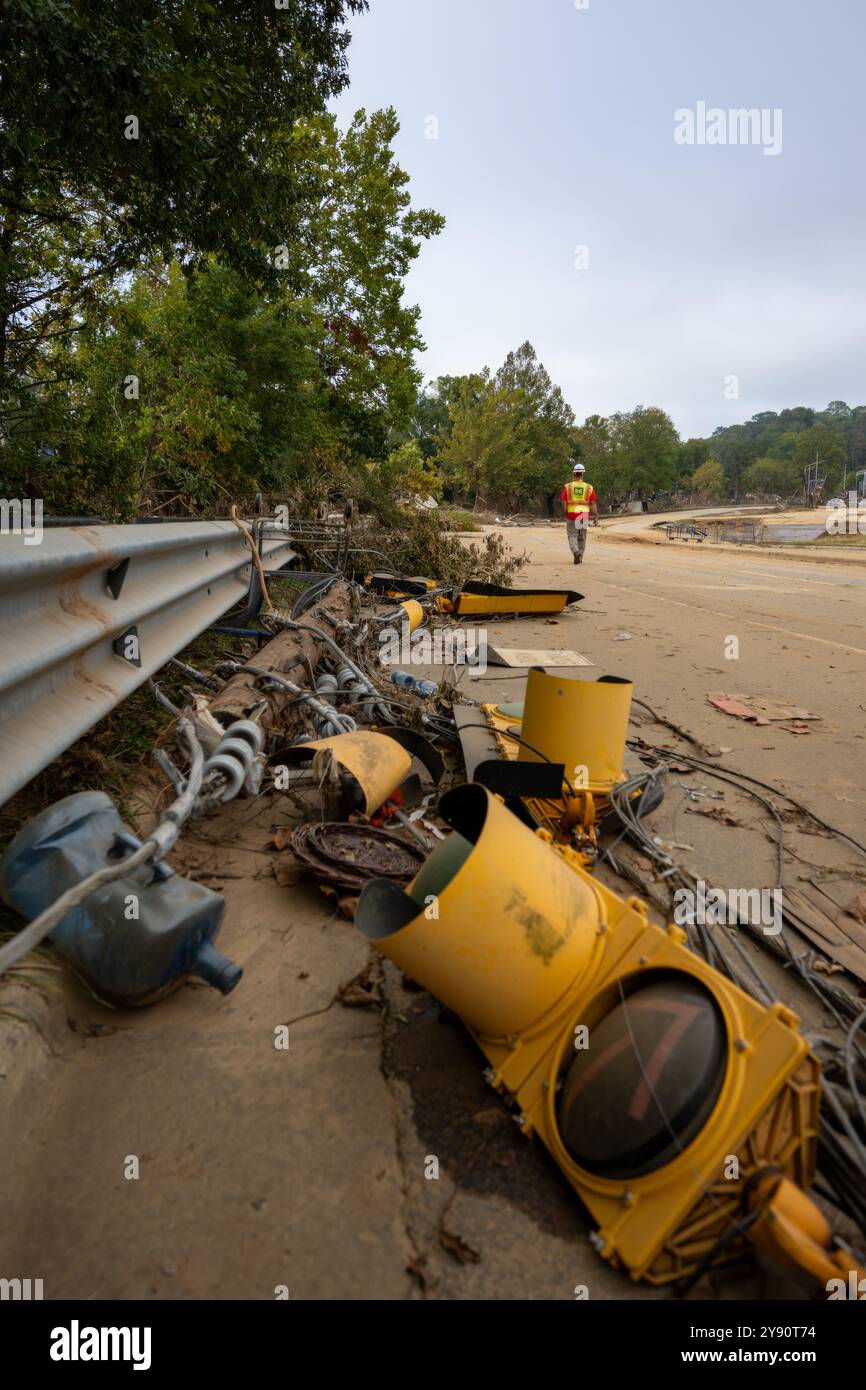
{"points": [[662, 1091], [561, 751]]}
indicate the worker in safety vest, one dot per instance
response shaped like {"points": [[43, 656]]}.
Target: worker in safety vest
{"points": [[579, 504]]}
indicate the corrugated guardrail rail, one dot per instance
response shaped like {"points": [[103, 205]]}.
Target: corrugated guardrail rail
{"points": [[91, 611]]}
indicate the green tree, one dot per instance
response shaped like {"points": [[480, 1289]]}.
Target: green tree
{"points": [[783, 446], [353, 252], [591, 446], [510, 438], [166, 128], [735, 448], [239, 388], [857, 438], [187, 395], [489, 450], [709, 480], [545, 418], [765, 475], [431, 422], [405, 473], [691, 453], [643, 452]]}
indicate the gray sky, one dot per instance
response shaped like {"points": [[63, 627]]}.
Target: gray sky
{"points": [[706, 261]]}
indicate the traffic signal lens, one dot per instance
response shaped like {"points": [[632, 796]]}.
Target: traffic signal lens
{"points": [[648, 1080]]}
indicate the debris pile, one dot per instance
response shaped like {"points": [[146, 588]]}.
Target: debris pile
{"points": [[763, 710], [465, 841], [349, 856]]}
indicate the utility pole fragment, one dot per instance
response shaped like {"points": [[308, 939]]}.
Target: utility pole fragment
{"points": [[291, 654]]}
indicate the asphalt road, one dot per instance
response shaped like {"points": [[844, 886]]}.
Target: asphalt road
{"points": [[800, 625], [307, 1169]]}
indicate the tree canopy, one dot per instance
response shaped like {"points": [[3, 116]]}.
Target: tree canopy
{"points": [[835, 437], [214, 307], [202, 291], [508, 436], [166, 127]]}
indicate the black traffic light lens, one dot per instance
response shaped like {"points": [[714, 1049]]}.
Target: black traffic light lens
{"points": [[648, 1080]]}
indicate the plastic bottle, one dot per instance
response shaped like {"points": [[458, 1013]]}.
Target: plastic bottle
{"points": [[423, 687]]}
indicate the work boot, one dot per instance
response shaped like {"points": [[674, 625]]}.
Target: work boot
{"points": [[577, 559]]}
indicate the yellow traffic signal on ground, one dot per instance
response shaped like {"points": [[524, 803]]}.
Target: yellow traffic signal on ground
{"points": [[377, 763], [663, 1092], [579, 725]]}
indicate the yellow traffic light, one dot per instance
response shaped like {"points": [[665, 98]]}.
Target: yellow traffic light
{"points": [[578, 725], [658, 1086], [377, 763], [413, 613], [581, 723]]}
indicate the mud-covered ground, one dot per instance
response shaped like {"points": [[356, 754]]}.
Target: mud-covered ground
{"points": [[263, 1168]]}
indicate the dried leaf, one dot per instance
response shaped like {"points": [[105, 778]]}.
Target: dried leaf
{"points": [[364, 991], [719, 813], [823, 967]]}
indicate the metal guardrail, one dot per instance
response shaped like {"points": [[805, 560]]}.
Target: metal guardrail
{"points": [[91, 611]]}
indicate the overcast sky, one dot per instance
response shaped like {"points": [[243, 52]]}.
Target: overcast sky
{"points": [[556, 130]]}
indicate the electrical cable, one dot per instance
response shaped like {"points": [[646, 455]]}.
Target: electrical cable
{"points": [[848, 1164], [329, 641], [745, 777], [162, 699], [848, 1048], [507, 733], [340, 723], [257, 559], [195, 675]]}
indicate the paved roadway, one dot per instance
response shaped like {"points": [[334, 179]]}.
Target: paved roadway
{"points": [[307, 1168], [800, 621]]}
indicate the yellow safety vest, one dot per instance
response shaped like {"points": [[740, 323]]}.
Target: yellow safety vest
{"points": [[577, 499]]}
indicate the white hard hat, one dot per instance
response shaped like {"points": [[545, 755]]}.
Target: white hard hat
{"points": [[578, 468]]}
